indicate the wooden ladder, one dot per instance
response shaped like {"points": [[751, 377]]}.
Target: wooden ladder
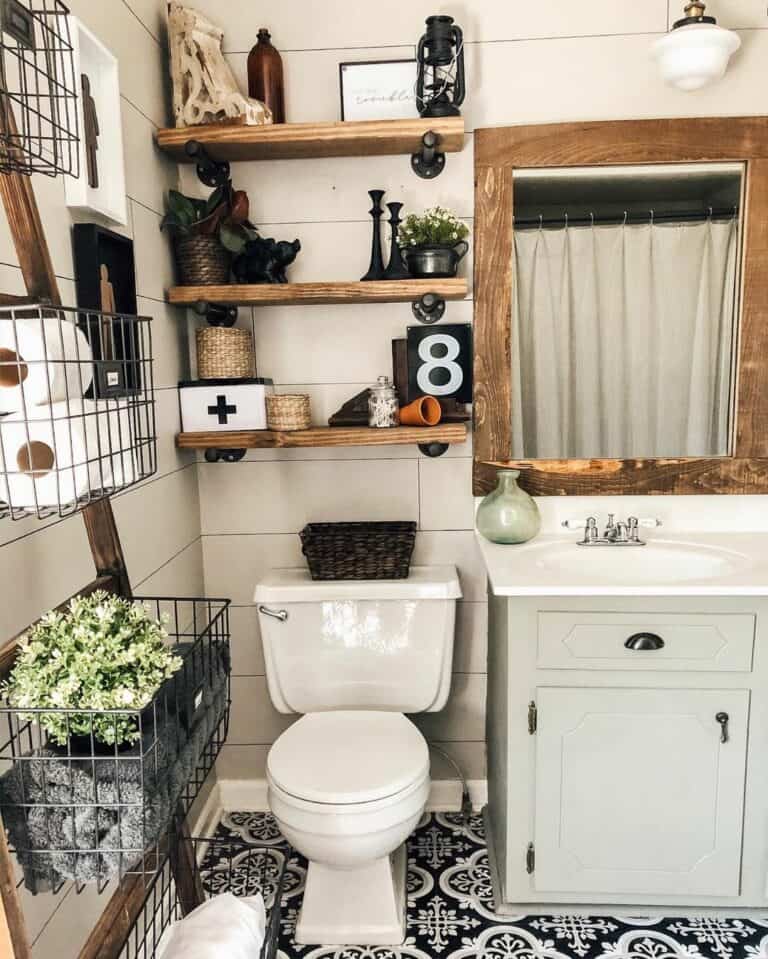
{"points": [[108, 935]]}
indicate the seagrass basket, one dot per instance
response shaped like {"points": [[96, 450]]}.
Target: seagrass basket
{"points": [[359, 550], [288, 412], [224, 353], [202, 261]]}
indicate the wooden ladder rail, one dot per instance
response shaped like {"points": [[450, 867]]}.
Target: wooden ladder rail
{"points": [[106, 938]]}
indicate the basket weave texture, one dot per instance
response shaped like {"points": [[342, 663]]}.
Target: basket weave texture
{"points": [[202, 261], [288, 412], [358, 550], [224, 352]]}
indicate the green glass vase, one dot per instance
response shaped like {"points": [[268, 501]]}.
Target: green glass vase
{"points": [[508, 515]]}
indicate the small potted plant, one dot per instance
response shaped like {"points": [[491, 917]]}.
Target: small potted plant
{"points": [[434, 243], [207, 233], [103, 653]]}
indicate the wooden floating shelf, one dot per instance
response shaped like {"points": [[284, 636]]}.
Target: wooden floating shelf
{"points": [[448, 433], [292, 141], [287, 294]]}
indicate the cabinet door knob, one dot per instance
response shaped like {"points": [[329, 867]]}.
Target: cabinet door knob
{"points": [[722, 719], [644, 641]]}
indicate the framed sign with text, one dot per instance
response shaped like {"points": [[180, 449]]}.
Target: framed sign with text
{"points": [[378, 90]]}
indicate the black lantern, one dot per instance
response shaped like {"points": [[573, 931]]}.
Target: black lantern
{"points": [[440, 88]]}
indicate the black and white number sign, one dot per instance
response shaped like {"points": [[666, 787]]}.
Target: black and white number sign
{"points": [[440, 361]]}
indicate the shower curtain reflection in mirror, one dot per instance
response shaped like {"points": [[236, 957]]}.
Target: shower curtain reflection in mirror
{"points": [[623, 338]]}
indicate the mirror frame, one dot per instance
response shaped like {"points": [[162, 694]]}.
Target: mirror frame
{"points": [[501, 150]]}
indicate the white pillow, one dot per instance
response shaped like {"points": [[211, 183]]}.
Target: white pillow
{"points": [[224, 927]]}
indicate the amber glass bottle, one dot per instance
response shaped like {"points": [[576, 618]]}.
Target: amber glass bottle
{"points": [[265, 76]]}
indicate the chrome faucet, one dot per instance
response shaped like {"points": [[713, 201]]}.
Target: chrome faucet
{"points": [[615, 533]]}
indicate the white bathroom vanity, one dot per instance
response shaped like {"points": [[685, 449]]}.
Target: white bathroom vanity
{"points": [[628, 724]]}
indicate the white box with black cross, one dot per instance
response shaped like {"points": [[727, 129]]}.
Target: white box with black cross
{"points": [[220, 406]]}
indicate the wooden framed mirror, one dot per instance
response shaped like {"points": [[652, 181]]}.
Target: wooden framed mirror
{"points": [[657, 304]]}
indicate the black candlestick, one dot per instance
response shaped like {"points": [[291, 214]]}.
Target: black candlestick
{"points": [[376, 269], [396, 270]]}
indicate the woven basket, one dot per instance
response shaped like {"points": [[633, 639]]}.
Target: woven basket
{"points": [[288, 412], [358, 550], [202, 261], [224, 353]]}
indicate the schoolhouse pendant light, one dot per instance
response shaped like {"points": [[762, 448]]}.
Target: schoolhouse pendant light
{"points": [[696, 51]]}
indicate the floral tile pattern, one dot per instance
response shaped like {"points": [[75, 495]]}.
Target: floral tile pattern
{"points": [[451, 909]]}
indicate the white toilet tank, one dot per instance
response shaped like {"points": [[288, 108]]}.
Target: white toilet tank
{"points": [[373, 644]]}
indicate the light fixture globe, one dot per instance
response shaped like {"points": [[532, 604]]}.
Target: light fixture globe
{"points": [[696, 52]]}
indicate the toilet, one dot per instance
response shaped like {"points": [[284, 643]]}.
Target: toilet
{"points": [[349, 781]]}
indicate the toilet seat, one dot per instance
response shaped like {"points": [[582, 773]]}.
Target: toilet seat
{"points": [[349, 758]]}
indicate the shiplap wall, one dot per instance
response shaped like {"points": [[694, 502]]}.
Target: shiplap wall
{"points": [[526, 63], [159, 522]]}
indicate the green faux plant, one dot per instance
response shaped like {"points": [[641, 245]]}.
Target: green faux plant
{"points": [[435, 227], [224, 214], [102, 653]]}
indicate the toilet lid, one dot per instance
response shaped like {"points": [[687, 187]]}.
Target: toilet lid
{"points": [[348, 757]]}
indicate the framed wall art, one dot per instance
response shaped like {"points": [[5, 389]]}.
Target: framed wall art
{"points": [[100, 188], [378, 90], [440, 362], [105, 279]]}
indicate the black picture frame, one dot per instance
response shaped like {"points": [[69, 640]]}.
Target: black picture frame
{"points": [[370, 63], [117, 362]]}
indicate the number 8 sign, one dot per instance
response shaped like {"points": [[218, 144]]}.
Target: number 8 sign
{"points": [[440, 362]]}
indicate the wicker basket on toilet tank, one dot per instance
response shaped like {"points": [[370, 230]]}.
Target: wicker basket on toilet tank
{"points": [[359, 550]]}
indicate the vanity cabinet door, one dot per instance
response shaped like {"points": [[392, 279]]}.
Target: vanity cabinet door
{"points": [[636, 793]]}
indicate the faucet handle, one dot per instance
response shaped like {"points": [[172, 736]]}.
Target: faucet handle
{"points": [[576, 522], [647, 522], [590, 530]]}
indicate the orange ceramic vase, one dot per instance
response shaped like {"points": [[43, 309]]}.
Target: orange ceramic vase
{"points": [[425, 411]]}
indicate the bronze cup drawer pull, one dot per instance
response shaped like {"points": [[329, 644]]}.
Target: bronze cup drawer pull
{"points": [[644, 642]]}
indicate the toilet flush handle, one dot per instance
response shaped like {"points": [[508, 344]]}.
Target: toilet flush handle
{"points": [[281, 614]]}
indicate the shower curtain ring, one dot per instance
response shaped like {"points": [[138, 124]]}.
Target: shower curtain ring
{"points": [[592, 219], [626, 217], [651, 217], [711, 213], [566, 221], [541, 221]]}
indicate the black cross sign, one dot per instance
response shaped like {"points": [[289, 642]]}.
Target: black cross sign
{"points": [[222, 410]]}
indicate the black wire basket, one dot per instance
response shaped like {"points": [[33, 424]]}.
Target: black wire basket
{"points": [[222, 865], [77, 408], [88, 813], [38, 89]]}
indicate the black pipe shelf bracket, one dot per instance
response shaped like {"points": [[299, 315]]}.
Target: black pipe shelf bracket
{"points": [[213, 173], [429, 308], [216, 314], [213, 455], [429, 162], [433, 450]]}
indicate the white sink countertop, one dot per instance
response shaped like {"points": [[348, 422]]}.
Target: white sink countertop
{"points": [[675, 563]]}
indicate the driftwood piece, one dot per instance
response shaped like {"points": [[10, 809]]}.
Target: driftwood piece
{"points": [[204, 87]]}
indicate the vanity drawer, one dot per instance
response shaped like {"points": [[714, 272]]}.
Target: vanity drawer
{"points": [[689, 641]]}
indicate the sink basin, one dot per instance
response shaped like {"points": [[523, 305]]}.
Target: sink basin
{"points": [[659, 562]]}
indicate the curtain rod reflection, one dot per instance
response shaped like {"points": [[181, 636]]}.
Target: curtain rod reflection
{"points": [[625, 218]]}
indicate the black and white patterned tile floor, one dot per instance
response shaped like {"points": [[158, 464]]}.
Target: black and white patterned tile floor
{"points": [[450, 910]]}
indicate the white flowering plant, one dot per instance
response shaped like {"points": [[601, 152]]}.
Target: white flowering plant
{"points": [[102, 653], [435, 227]]}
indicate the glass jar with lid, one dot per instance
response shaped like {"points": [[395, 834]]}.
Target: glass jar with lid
{"points": [[383, 408]]}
